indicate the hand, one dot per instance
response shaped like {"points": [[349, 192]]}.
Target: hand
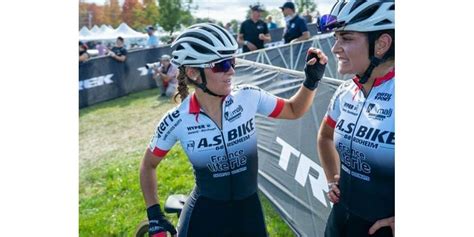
{"points": [[334, 191], [261, 36], [111, 54], [158, 224], [251, 46], [314, 71], [390, 221]]}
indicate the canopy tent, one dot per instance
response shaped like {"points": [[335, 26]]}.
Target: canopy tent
{"points": [[105, 33], [84, 32]]}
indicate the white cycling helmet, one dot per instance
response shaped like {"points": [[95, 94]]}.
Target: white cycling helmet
{"points": [[363, 15], [202, 44]]}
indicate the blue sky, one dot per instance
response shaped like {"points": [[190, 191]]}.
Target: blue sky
{"points": [[226, 10]]}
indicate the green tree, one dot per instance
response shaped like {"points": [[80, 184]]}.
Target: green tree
{"points": [[173, 14], [132, 12], [305, 6]]}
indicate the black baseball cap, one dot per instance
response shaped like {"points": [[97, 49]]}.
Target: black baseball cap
{"points": [[288, 5], [256, 7]]}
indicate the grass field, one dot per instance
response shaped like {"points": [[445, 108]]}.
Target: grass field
{"points": [[112, 138]]}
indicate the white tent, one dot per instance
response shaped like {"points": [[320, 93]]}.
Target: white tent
{"points": [[126, 32], [95, 29], [84, 32]]}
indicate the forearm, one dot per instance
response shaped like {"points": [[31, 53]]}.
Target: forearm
{"points": [[329, 158], [301, 101], [148, 185]]}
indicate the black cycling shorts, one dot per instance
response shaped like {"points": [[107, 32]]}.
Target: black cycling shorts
{"points": [[341, 223], [202, 216]]}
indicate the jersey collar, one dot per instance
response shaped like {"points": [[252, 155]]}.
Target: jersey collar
{"points": [[378, 81], [194, 107]]}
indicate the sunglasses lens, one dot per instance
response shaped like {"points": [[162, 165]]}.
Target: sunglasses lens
{"points": [[224, 66], [327, 23]]}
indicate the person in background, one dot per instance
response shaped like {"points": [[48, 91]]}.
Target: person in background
{"points": [[296, 27], [101, 49], [118, 52], [152, 38], [270, 23], [253, 31], [165, 76], [83, 55], [356, 140], [228, 27]]}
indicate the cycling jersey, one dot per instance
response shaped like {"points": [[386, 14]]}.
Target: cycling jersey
{"points": [[364, 136], [224, 160]]}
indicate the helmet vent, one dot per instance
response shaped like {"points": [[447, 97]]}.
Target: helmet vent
{"points": [[384, 22], [365, 14], [356, 5]]}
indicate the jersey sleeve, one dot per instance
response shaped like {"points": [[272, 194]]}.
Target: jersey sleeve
{"points": [[334, 110], [267, 104], [165, 134]]}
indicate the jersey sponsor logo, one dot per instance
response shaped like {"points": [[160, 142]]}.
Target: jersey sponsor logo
{"points": [[167, 121], [95, 82], [318, 181], [355, 160], [366, 133], [250, 88], [383, 96], [232, 116], [228, 102], [241, 130], [375, 112], [220, 165], [205, 143], [350, 108], [190, 146]]}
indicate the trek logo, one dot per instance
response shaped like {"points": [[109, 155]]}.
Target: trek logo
{"points": [[229, 102], [319, 184], [190, 146], [372, 134], [383, 96], [378, 113], [167, 122], [143, 71], [95, 82], [234, 114]]}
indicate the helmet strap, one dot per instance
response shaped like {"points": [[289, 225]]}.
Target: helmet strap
{"points": [[374, 62], [203, 84]]}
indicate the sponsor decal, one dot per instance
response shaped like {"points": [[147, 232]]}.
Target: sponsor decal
{"points": [[235, 114], [241, 130], [354, 162], [221, 164], [319, 185], [229, 102], [190, 146], [350, 108], [168, 121], [383, 96], [367, 133], [95, 82], [375, 112]]}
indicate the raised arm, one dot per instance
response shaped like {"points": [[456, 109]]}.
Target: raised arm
{"points": [[298, 104]]}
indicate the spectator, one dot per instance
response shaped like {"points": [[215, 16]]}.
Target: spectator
{"points": [[101, 49], [118, 52], [296, 28], [307, 17], [165, 76], [253, 32], [152, 39], [83, 55], [270, 23], [228, 27]]}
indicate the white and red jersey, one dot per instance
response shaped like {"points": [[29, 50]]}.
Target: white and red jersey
{"points": [[225, 160], [364, 136]]}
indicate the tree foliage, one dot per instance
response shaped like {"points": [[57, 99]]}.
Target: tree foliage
{"points": [[172, 14], [305, 6]]}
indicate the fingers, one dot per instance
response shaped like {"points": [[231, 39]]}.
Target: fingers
{"points": [[334, 193], [323, 58], [382, 223]]}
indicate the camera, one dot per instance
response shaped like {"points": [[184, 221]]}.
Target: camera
{"points": [[152, 65]]}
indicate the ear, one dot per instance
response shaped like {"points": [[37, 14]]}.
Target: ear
{"points": [[382, 45], [192, 73]]}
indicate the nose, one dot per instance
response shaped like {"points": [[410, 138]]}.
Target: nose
{"points": [[231, 71], [336, 47]]}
